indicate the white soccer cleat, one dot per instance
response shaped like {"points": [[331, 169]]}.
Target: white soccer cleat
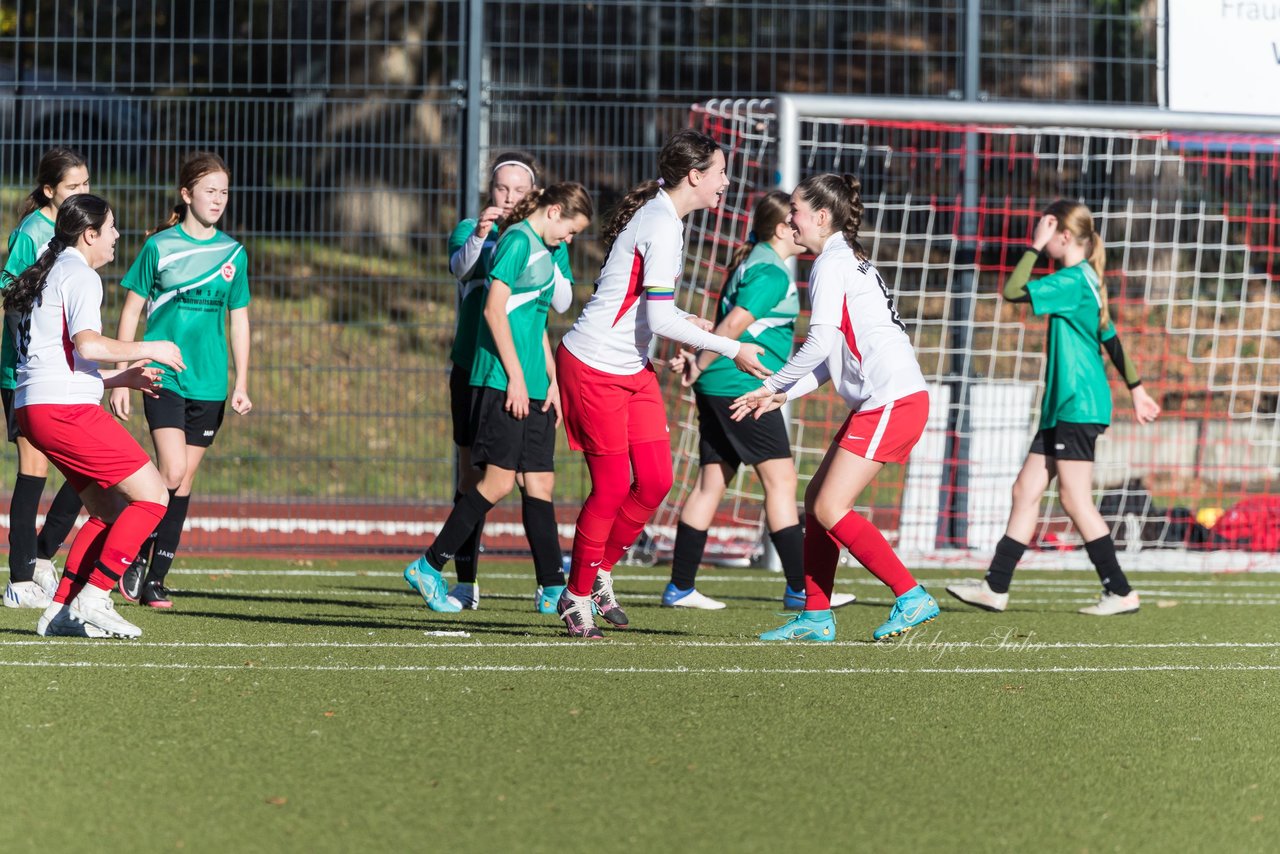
{"points": [[95, 608], [979, 594], [58, 621], [26, 594], [673, 597], [839, 600], [465, 596], [46, 574], [1110, 604]]}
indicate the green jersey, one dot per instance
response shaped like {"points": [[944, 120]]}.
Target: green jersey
{"points": [[762, 285], [525, 264], [25, 245], [1076, 389], [471, 285], [190, 285]]}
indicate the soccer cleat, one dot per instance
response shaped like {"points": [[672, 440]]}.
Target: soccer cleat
{"points": [[59, 621], [913, 608], [808, 626], [607, 603], [465, 596], [130, 584], [94, 607], [26, 594], [544, 601], [794, 599], [155, 595], [430, 584], [979, 594], [47, 576], [578, 617], [674, 597], [1110, 604]]}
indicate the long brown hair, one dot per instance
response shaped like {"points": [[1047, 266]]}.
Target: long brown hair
{"points": [[684, 152], [54, 166], [842, 196], [771, 211], [77, 215], [1077, 220], [572, 197], [193, 168]]}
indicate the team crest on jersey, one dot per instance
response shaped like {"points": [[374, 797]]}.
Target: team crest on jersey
{"points": [[228, 271]]}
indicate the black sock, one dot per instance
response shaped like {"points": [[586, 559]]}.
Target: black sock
{"points": [[539, 518], [789, 544], [467, 513], [23, 509], [59, 521], [1000, 574], [168, 533], [467, 561], [690, 545], [1102, 552]]}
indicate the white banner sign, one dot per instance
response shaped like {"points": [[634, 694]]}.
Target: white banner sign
{"points": [[1224, 56]]}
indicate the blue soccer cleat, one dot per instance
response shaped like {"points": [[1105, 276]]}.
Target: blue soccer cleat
{"points": [[810, 626], [913, 608], [793, 600], [544, 601], [428, 581]]}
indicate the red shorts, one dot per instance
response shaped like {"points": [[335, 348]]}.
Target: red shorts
{"points": [[608, 413], [887, 434], [83, 441]]}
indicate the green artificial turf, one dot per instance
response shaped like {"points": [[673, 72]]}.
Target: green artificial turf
{"points": [[295, 707]]}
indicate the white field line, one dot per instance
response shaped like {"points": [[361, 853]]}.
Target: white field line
{"points": [[920, 643], [712, 671]]}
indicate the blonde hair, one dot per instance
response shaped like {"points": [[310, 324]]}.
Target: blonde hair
{"points": [[1077, 220]]}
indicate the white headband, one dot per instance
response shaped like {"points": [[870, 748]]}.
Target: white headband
{"points": [[524, 166]]}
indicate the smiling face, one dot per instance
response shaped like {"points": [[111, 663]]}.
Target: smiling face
{"points": [[558, 228], [709, 184], [810, 227], [510, 184], [99, 246], [207, 199]]}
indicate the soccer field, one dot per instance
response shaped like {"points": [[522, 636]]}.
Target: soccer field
{"points": [[321, 707]]}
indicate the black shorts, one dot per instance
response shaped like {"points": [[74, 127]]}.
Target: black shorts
{"points": [[460, 400], [750, 441], [199, 419], [1068, 441], [525, 445], [10, 417]]}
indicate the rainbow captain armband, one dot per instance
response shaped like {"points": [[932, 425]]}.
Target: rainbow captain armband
{"points": [[660, 293]]}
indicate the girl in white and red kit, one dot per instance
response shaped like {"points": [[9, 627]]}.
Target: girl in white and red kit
{"points": [[58, 403], [857, 341]]}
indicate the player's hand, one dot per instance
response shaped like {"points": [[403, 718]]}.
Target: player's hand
{"points": [[517, 398], [146, 380], [120, 403], [240, 402], [701, 322], [488, 216], [1144, 407], [164, 352], [748, 360], [1046, 228], [759, 402], [553, 400], [679, 362]]}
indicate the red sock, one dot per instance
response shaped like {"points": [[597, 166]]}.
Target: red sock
{"points": [[124, 539], [652, 478], [865, 542], [821, 555], [610, 477], [84, 552]]}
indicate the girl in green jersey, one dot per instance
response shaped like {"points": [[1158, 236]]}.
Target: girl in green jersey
{"points": [[62, 173], [189, 277], [1075, 408]]}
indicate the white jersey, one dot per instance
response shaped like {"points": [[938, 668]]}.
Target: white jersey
{"points": [[612, 334], [49, 368], [869, 357]]}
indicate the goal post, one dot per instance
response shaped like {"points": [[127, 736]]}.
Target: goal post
{"points": [[1188, 208]]}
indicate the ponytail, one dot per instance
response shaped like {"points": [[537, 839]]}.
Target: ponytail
{"points": [[626, 209], [841, 195], [1098, 260], [682, 153], [77, 215], [571, 196], [1076, 219]]}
